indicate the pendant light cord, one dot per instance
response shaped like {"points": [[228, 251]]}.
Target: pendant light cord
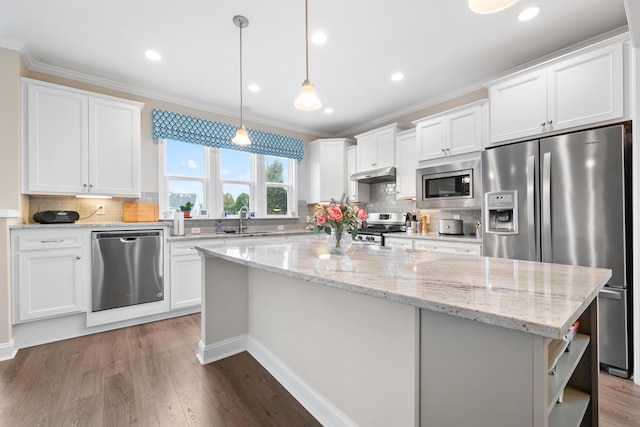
{"points": [[241, 121], [306, 33]]}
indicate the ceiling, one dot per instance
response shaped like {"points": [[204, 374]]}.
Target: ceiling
{"points": [[442, 48]]}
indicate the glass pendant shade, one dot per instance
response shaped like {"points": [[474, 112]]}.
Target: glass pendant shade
{"points": [[308, 99], [489, 6], [241, 137]]}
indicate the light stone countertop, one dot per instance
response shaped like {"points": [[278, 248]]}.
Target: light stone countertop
{"points": [[92, 225], [538, 298], [435, 236], [223, 235]]}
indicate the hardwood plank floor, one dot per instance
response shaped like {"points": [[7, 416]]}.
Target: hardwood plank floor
{"points": [[148, 375]]}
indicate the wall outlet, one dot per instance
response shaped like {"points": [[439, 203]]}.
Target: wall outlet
{"points": [[100, 207], [195, 230], [456, 216], [280, 227]]}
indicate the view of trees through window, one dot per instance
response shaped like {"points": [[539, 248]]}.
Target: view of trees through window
{"points": [[276, 196]]}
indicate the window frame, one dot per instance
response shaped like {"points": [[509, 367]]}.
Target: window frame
{"points": [[213, 202]]}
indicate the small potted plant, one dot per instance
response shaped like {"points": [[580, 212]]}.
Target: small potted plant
{"points": [[186, 209]]}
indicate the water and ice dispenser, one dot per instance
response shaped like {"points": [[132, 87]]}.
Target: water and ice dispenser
{"points": [[501, 208]]}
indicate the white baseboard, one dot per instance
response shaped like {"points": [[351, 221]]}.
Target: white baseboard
{"points": [[320, 407], [221, 349], [8, 350]]}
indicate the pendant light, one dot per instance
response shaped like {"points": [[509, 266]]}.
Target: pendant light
{"points": [[241, 137], [308, 99]]}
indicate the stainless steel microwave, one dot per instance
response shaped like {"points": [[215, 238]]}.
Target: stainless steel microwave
{"points": [[455, 185]]}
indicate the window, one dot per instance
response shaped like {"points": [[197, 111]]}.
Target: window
{"points": [[221, 181]]}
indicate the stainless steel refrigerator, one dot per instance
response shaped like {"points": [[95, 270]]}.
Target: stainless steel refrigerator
{"points": [[567, 199]]}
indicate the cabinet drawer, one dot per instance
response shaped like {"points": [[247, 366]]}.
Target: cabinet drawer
{"points": [[398, 243], [448, 247], [34, 240]]}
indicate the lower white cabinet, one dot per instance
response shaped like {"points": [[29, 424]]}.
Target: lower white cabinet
{"points": [[50, 272], [435, 245]]}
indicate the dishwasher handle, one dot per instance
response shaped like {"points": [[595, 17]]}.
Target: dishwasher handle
{"points": [[129, 239]]}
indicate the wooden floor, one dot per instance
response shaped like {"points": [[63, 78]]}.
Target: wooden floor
{"points": [[148, 375]]}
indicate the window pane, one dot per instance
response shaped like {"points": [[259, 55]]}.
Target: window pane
{"points": [[183, 191], [277, 201], [276, 169], [235, 196], [185, 159], [235, 165]]}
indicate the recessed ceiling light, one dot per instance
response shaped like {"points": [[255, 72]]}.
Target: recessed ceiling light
{"points": [[489, 6], [397, 77], [153, 55], [529, 13], [254, 88], [319, 37], [328, 110]]}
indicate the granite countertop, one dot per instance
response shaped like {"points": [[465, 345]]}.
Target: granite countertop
{"points": [[223, 235], [92, 225], [435, 236], [538, 298]]}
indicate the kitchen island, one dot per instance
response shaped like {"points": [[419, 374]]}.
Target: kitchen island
{"points": [[385, 336]]}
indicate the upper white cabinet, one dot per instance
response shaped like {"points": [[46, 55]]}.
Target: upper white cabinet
{"points": [[581, 89], [406, 164], [327, 169], [376, 148], [452, 132], [357, 191], [78, 142]]}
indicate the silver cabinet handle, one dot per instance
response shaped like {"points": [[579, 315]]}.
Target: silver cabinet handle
{"points": [[547, 255], [543, 124], [52, 241], [550, 122], [531, 223], [78, 257], [462, 250], [84, 185]]}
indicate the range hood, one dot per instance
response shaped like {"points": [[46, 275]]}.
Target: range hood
{"points": [[376, 175]]}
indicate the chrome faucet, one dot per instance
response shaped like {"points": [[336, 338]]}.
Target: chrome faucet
{"points": [[243, 214]]}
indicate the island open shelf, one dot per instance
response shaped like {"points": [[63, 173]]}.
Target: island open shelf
{"points": [[385, 336]]}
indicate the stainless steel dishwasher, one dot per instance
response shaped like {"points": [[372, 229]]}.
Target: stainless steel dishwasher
{"points": [[126, 268]]}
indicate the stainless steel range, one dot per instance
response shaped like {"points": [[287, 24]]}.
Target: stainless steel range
{"points": [[379, 223]]}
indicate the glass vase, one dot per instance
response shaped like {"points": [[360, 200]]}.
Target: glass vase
{"points": [[339, 241]]}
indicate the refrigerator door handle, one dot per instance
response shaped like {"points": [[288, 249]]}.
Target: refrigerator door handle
{"points": [[604, 293], [547, 255], [531, 225]]}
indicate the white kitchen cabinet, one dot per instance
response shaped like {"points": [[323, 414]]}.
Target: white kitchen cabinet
{"points": [[581, 89], [50, 270], [376, 148], [398, 242], [453, 132], [357, 191], [186, 274], [406, 165], [327, 169], [78, 142], [449, 247]]}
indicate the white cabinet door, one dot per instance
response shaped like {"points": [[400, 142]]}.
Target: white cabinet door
{"points": [[50, 273], [518, 106], [449, 247], [367, 153], [430, 138], [464, 131], [406, 165], [587, 88], [327, 169], [114, 147], [56, 141], [356, 191], [398, 242], [385, 148], [186, 281]]}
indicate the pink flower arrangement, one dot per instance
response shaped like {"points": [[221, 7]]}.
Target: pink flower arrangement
{"points": [[339, 216]]}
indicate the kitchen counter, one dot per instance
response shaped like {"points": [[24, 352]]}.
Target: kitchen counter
{"points": [[435, 236], [387, 336], [223, 235], [92, 225]]}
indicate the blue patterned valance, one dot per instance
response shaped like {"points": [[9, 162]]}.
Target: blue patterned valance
{"points": [[213, 134]]}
